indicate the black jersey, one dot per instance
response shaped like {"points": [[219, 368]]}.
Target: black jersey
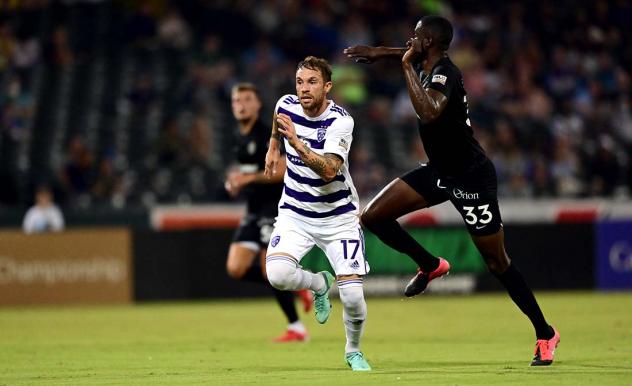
{"points": [[449, 140], [251, 149]]}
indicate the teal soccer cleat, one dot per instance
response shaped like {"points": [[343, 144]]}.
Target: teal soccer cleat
{"points": [[356, 361], [322, 305]]}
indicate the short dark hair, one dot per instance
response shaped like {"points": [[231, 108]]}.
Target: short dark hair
{"points": [[440, 28], [246, 86], [314, 63]]}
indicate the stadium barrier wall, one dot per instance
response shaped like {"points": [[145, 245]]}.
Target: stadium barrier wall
{"points": [[191, 264], [186, 265], [75, 266]]}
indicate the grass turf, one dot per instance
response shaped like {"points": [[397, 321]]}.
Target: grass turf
{"points": [[430, 340]]}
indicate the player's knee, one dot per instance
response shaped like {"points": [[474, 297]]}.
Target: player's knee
{"points": [[368, 217], [280, 275], [352, 299], [497, 265], [234, 270]]}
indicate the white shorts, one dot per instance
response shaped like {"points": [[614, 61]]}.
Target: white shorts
{"points": [[344, 246]]}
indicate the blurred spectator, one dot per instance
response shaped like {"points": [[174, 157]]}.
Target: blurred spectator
{"points": [[143, 93], [79, 174], [58, 51], [355, 31], [25, 56], [542, 184], [141, 28], [367, 173], [511, 163], [7, 45], [108, 183], [566, 169], [174, 31], [262, 59], [171, 148], [603, 169], [200, 141], [44, 216]]}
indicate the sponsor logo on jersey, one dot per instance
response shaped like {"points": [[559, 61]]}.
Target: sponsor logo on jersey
{"points": [[458, 193], [275, 240], [343, 144], [439, 79], [355, 265]]}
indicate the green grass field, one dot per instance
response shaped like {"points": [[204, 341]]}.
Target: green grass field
{"points": [[431, 340]]}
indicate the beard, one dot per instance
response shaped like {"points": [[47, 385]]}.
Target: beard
{"points": [[314, 105]]}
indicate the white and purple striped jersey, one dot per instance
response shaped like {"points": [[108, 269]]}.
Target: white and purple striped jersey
{"points": [[306, 196]]}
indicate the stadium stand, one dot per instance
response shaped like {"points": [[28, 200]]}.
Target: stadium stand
{"points": [[126, 104]]}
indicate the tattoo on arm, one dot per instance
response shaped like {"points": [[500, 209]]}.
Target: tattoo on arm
{"points": [[275, 132], [326, 166], [427, 108]]}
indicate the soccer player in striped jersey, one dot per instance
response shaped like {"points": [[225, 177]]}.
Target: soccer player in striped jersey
{"points": [[319, 204]]}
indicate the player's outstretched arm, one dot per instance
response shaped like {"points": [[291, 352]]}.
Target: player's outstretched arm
{"points": [[428, 103], [326, 166], [368, 54]]}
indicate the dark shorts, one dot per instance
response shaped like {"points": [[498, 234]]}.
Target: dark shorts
{"points": [[255, 228], [474, 194]]}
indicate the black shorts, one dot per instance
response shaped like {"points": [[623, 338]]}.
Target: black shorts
{"points": [[255, 228], [474, 194]]}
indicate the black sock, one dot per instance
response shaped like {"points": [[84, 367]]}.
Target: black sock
{"points": [[286, 302], [393, 235], [284, 298], [522, 295]]}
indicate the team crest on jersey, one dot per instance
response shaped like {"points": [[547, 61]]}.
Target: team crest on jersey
{"points": [[275, 240], [252, 147], [439, 79], [321, 134]]}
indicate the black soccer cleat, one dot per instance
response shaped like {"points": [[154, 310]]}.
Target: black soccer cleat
{"points": [[419, 283]]}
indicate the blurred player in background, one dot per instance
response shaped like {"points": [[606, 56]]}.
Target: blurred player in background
{"points": [[319, 205], [44, 216], [248, 249], [458, 170]]}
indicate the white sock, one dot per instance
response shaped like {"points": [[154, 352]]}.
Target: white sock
{"points": [[354, 312], [284, 274], [297, 326]]}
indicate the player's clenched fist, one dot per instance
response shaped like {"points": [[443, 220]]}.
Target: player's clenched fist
{"points": [[287, 129]]}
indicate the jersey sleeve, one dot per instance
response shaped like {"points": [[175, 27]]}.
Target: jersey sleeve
{"points": [[339, 137], [285, 101], [443, 79]]}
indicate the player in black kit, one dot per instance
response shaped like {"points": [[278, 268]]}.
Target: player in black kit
{"points": [[262, 197], [458, 170]]}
